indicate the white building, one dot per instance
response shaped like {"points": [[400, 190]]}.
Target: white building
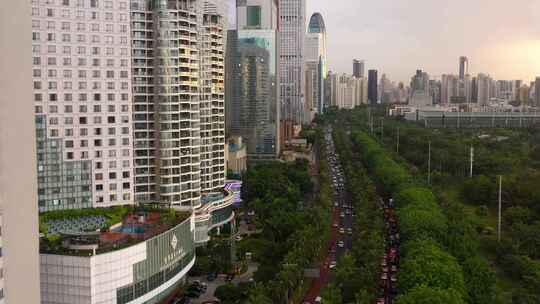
{"points": [[82, 96], [316, 61], [346, 91], [292, 24], [86, 270]]}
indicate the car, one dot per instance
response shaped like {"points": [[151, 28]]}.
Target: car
{"points": [[318, 300], [349, 231], [341, 230], [238, 238], [341, 244], [332, 265], [211, 276], [335, 225], [342, 214]]}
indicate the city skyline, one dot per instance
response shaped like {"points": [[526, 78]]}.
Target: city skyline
{"points": [[432, 37]]}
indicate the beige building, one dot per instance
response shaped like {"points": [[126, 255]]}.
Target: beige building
{"points": [[19, 262]]}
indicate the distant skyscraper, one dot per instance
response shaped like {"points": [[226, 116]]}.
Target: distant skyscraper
{"points": [[373, 87], [484, 84], [420, 89], [463, 67], [358, 68], [254, 81], [316, 59], [292, 24], [537, 92]]}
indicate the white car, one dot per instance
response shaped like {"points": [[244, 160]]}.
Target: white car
{"points": [[341, 230], [341, 244]]}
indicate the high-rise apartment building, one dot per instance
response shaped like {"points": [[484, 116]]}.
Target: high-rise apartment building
{"points": [[179, 110], [292, 24], [346, 91], [82, 95], [358, 68], [373, 87], [316, 61], [19, 251], [253, 106]]}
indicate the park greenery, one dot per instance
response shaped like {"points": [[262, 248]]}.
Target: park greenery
{"points": [[440, 247], [457, 211], [293, 227]]}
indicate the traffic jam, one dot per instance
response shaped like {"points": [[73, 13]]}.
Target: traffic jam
{"points": [[390, 260], [344, 214]]}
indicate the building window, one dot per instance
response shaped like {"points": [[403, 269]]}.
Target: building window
{"points": [[254, 16]]}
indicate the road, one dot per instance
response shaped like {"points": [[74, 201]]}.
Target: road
{"points": [[341, 236]]}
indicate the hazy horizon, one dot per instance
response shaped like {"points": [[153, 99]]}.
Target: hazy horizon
{"points": [[398, 37]]}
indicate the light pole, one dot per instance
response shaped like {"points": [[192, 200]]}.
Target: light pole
{"points": [[500, 210], [397, 141], [471, 162], [429, 164]]}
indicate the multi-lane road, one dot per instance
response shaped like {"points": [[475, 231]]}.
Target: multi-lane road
{"points": [[342, 224]]}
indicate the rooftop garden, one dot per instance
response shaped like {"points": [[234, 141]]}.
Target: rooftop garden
{"points": [[104, 229]]}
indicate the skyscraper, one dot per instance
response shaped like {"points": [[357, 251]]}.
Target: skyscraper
{"points": [[358, 68], [373, 87], [484, 87], [292, 24], [420, 89], [463, 67], [537, 92], [254, 107], [19, 237], [316, 59]]}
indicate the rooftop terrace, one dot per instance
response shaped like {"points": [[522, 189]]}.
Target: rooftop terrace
{"points": [[87, 232]]}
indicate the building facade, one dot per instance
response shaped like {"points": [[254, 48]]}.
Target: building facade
{"points": [[373, 87], [19, 237], [292, 24], [82, 96], [253, 106]]}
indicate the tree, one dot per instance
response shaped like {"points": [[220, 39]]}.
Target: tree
{"points": [[228, 294], [426, 264], [428, 295], [257, 295], [480, 280], [331, 294]]}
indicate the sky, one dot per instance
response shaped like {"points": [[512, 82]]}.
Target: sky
{"points": [[397, 37], [500, 37]]}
